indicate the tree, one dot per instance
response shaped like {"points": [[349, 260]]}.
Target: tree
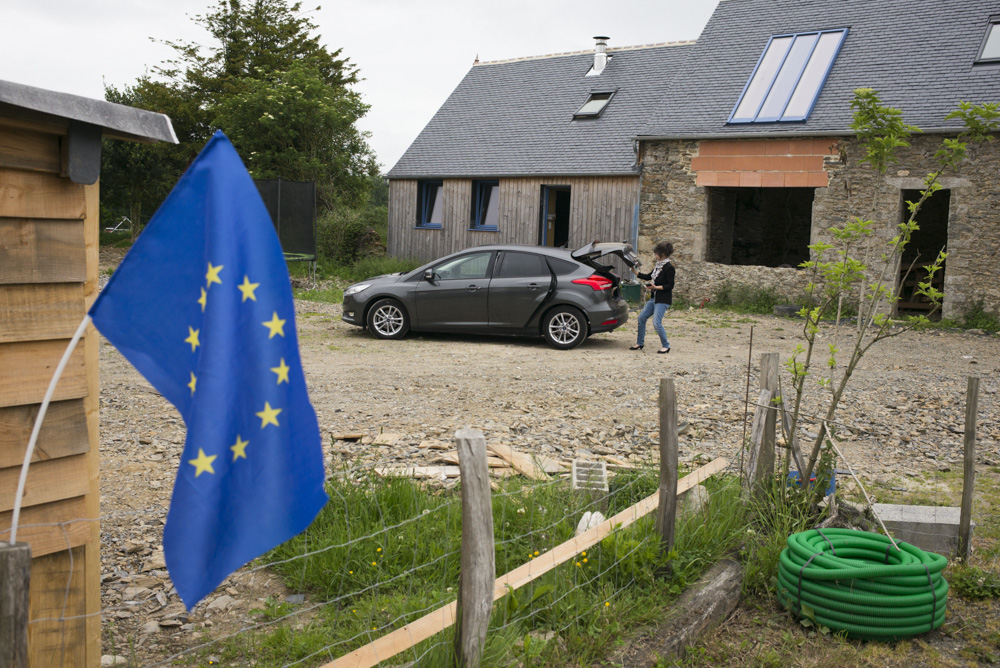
{"points": [[283, 99], [843, 267]]}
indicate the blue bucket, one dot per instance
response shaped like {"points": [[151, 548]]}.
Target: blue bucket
{"points": [[793, 477]]}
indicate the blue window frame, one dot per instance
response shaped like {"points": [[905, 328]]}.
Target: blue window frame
{"points": [[430, 206], [989, 51], [485, 205], [788, 77]]}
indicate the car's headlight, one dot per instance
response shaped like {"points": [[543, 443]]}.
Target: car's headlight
{"points": [[355, 289]]}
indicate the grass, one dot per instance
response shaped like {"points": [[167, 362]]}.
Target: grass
{"points": [[386, 551], [335, 277]]}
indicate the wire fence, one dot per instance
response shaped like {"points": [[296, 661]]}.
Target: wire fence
{"points": [[386, 552]]}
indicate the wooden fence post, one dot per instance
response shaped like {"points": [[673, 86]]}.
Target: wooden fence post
{"points": [[667, 510], [753, 474], [969, 474], [768, 381], [15, 573], [478, 565]]}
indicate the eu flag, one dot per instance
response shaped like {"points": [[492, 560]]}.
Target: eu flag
{"points": [[202, 307]]}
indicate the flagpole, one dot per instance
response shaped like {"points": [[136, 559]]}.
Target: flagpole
{"points": [[38, 425]]}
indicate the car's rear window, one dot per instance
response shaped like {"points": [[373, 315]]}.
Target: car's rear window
{"points": [[522, 265], [562, 267]]}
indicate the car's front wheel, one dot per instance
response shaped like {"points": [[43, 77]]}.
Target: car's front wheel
{"points": [[387, 319], [564, 328]]}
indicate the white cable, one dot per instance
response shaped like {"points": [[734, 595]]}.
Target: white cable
{"points": [[38, 425]]}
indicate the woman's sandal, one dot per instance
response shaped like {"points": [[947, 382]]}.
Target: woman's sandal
{"points": [[636, 347], [661, 351]]}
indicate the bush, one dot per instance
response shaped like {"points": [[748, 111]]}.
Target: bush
{"points": [[344, 234], [976, 316], [744, 298]]}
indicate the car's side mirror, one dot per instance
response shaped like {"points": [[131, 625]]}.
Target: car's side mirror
{"points": [[429, 275]]}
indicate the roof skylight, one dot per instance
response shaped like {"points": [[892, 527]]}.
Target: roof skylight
{"points": [[990, 50], [594, 105], [788, 77]]}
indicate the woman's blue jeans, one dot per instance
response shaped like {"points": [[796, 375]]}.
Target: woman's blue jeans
{"points": [[657, 311]]}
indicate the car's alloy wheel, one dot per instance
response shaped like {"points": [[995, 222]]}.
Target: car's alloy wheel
{"points": [[564, 328], [387, 319]]}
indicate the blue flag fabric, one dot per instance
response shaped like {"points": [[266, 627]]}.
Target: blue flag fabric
{"points": [[202, 307]]}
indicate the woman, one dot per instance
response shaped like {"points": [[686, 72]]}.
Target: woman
{"points": [[661, 286]]}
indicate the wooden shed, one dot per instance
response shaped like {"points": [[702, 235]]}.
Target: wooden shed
{"points": [[50, 157]]}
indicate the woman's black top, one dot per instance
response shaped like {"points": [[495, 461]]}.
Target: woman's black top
{"points": [[666, 279]]}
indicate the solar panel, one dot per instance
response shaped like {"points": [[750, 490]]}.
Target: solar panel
{"points": [[788, 77]]}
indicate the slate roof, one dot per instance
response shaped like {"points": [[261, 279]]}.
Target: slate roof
{"points": [[515, 118], [918, 54]]}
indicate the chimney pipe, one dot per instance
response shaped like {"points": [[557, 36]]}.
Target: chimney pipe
{"points": [[600, 54]]}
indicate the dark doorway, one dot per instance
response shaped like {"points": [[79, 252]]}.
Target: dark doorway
{"points": [[924, 246], [765, 227], [554, 224]]}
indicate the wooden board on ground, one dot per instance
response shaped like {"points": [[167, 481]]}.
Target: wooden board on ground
{"points": [[348, 436], [418, 471], [387, 439], [435, 444], [520, 461], [434, 622]]}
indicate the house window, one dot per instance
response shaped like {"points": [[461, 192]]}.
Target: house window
{"points": [[764, 227], [594, 105], [989, 52], [788, 77], [485, 205], [429, 204]]}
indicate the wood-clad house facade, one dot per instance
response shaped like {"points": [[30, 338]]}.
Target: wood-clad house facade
{"points": [[49, 225], [564, 175], [600, 207]]}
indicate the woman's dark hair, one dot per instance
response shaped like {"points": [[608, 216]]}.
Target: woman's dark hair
{"points": [[664, 249]]}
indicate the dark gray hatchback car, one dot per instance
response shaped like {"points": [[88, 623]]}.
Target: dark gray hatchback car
{"points": [[561, 295]]}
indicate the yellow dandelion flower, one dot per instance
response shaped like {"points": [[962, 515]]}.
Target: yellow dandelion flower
{"points": [[578, 564], [373, 563], [584, 560], [584, 553], [350, 572], [379, 550], [536, 553], [606, 604]]}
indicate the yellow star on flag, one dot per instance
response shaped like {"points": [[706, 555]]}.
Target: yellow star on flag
{"points": [[213, 275], [193, 383], [193, 338], [268, 416], [240, 449], [276, 325], [202, 463], [203, 300], [282, 371], [247, 288]]}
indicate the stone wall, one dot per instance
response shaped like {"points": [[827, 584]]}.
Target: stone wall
{"points": [[674, 208]]}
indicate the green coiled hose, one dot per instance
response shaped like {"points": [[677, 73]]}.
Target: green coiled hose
{"points": [[856, 581]]}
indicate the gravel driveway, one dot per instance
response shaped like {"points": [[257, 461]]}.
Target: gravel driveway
{"points": [[904, 410]]}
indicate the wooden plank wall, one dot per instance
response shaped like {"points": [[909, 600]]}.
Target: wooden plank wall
{"points": [[600, 208], [48, 279]]}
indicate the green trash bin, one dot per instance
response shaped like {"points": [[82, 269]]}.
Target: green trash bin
{"points": [[631, 292]]}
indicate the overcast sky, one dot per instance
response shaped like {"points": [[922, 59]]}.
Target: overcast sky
{"points": [[411, 53]]}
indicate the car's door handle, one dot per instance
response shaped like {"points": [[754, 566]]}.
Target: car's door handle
{"points": [[533, 286], [473, 288]]}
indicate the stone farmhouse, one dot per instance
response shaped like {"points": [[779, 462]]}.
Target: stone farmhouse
{"points": [[736, 147]]}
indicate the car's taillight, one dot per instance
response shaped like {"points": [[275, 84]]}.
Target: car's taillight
{"points": [[595, 281]]}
